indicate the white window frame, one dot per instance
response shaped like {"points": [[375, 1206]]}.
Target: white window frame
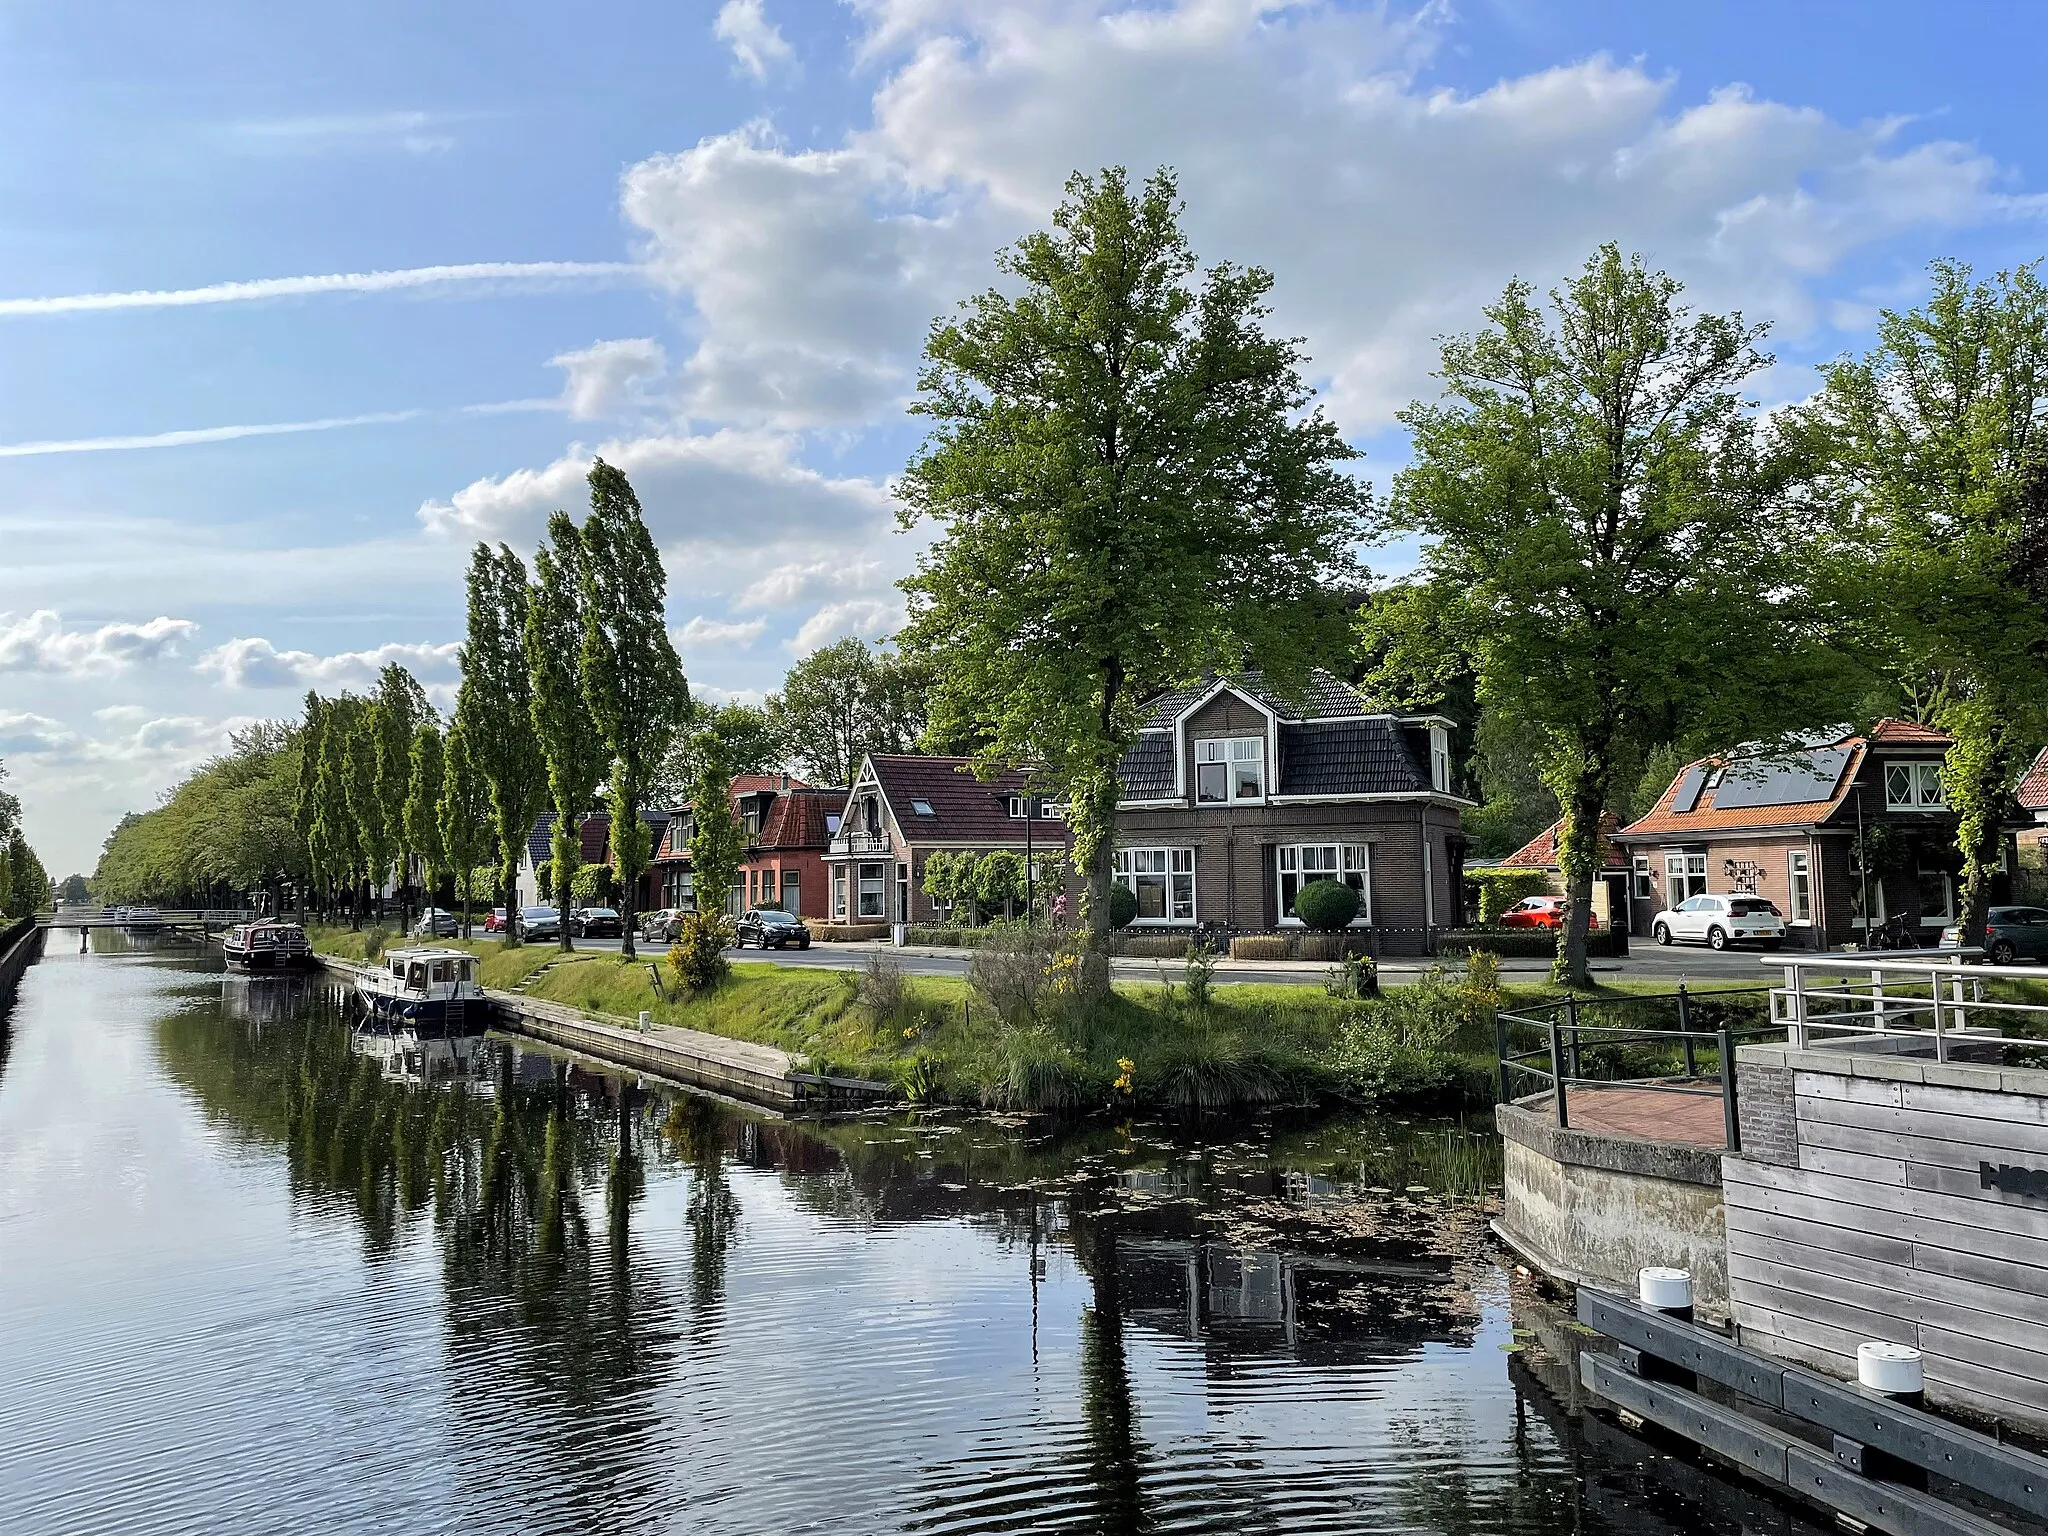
{"points": [[880, 893], [1041, 808], [1922, 789], [1947, 914], [1645, 879], [1798, 885], [1680, 873], [1440, 759], [1307, 862], [1231, 754], [1171, 870], [838, 893], [902, 890]]}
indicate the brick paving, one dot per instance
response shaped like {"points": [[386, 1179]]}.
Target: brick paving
{"points": [[1694, 1119]]}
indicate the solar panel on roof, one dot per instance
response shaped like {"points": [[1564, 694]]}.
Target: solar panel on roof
{"points": [[1687, 794], [1803, 778]]}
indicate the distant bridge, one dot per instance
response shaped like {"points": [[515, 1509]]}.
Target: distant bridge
{"points": [[189, 922]]}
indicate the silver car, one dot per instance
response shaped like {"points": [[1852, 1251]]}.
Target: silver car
{"points": [[1718, 921]]}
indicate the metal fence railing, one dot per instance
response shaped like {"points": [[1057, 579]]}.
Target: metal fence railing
{"points": [[1933, 1008], [1652, 1042]]}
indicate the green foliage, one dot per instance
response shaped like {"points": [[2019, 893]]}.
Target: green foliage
{"points": [[748, 737], [594, 885], [423, 803], [697, 958], [1500, 889], [717, 841], [494, 708], [73, 888], [1198, 976], [999, 881], [1608, 535], [632, 679], [1123, 905], [1356, 977], [1326, 906], [844, 701], [398, 712], [464, 814], [1133, 491], [574, 751]]}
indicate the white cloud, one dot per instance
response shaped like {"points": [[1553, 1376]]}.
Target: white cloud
{"points": [[497, 273], [756, 42], [870, 618], [704, 634], [39, 642], [417, 133], [726, 488], [253, 662], [24, 734], [806, 581], [601, 376], [710, 693]]}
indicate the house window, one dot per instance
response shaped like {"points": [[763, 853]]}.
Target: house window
{"points": [[1299, 863], [1439, 759], [874, 895], [902, 893], [792, 893], [1041, 808], [686, 892], [1230, 768], [1163, 880], [922, 808], [1646, 879], [1937, 898], [1914, 787], [750, 818], [1799, 880], [839, 893], [1857, 885], [1685, 875]]}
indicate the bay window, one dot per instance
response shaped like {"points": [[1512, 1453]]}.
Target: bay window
{"points": [[1346, 863], [1685, 876], [1163, 880], [873, 892], [1230, 768]]}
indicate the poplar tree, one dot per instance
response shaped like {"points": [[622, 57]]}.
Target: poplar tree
{"points": [[632, 679], [464, 810], [1133, 490], [423, 805], [494, 707], [569, 739], [305, 798], [363, 789], [335, 846], [400, 707]]}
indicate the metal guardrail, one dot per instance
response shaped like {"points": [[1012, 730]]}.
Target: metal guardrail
{"points": [[1904, 1007], [1567, 1036]]}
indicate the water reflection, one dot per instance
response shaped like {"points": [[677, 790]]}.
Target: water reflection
{"points": [[587, 1302]]}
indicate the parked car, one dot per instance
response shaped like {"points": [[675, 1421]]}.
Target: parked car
{"points": [[596, 923], [1718, 921], [435, 923], [495, 923], [771, 928], [539, 923], [2010, 933], [1534, 912], [665, 924]]}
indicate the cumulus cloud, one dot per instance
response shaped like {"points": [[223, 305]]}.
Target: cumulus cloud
{"points": [[1308, 137], [870, 618], [730, 487], [702, 633], [756, 42], [39, 642], [24, 734], [139, 738], [253, 662], [601, 377], [807, 580]]}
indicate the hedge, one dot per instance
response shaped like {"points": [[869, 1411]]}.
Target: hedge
{"points": [[1300, 946], [1522, 943], [1500, 889], [848, 933]]}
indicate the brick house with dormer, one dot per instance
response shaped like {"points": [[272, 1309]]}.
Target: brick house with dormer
{"points": [[787, 826]]}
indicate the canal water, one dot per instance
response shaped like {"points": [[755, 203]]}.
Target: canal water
{"points": [[260, 1274]]}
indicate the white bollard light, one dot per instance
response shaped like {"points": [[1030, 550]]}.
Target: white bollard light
{"points": [[1893, 1369], [646, 1021], [1665, 1290]]}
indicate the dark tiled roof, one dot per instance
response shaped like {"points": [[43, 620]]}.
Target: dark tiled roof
{"points": [[1147, 769], [964, 809], [1325, 696], [1348, 757], [1829, 767], [596, 826]]}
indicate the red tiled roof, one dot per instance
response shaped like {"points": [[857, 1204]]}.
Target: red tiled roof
{"points": [[1540, 852], [1904, 733], [797, 819], [1704, 818], [964, 808], [2033, 790]]}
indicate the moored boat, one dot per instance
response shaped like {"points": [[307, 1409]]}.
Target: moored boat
{"points": [[425, 989], [267, 946]]}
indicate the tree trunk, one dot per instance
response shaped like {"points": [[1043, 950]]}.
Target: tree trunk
{"points": [[1578, 860], [1095, 848], [568, 842]]}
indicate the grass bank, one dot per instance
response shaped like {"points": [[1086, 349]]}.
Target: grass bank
{"points": [[501, 967]]}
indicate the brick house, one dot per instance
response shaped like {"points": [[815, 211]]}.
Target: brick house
{"points": [[1610, 889], [2032, 796], [787, 824], [595, 836], [1784, 825], [904, 808], [1234, 797]]}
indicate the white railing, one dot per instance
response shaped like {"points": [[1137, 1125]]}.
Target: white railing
{"points": [[1903, 1007], [861, 842]]}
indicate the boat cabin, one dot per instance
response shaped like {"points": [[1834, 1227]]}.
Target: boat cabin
{"points": [[425, 970]]}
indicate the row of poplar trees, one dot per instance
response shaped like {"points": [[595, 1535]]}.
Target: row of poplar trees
{"points": [[571, 697]]}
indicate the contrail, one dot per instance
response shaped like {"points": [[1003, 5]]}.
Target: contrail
{"points": [[333, 282], [200, 435]]}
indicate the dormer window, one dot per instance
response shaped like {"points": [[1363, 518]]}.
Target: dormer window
{"points": [[1914, 787], [1230, 768], [1439, 759]]}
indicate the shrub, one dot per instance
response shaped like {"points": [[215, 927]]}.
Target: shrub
{"points": [[697, 958], [594, 885], [1522, 943], [882, 992], [1123, 906], [1148, 946], [1262, 946], [1039, 1072], [1015, 970], [1355, 976], [1500, 889], [374, 940], [1326, 906], [1329, 946], [1200, 975], [1207, 1071]]}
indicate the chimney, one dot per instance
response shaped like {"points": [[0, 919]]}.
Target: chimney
{"points": [[785, 781]]}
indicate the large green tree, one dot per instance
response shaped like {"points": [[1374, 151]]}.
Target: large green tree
{"points": [[632, 679], [465, 812], [1600, 522], [717, 841], [398, 710], [1132, 488], [569, 739], [494, 707], [1931, 454], [423, 806], [844, 701]]}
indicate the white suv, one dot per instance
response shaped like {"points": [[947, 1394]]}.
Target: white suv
{"points": [[1718, 921]]}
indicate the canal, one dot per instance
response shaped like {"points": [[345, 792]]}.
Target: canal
{"points": [[260, 1274]]}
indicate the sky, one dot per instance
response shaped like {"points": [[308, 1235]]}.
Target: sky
{"points": [[298, 303]]}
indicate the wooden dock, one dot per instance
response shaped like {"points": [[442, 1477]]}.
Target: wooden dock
{"points": [[739, 1069]]}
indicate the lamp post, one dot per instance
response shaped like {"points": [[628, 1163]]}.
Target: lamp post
{"points": [[1862, 862]]}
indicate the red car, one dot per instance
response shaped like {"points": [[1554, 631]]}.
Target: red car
{"points": [[495, 923], [1534, 912]]}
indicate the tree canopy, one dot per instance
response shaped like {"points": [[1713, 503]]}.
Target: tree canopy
{"points": [[844, 701]]}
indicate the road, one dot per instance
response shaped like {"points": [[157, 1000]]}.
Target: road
{"points": [[1645, 962]]}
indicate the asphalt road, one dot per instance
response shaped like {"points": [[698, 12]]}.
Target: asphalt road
{"points": [[1645, 962]]}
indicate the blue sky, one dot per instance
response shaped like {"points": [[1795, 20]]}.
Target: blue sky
{"points": [[705, 239]]}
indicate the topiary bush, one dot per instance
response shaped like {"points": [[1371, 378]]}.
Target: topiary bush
{"points": [[1123, 906], [1326, 906]]}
